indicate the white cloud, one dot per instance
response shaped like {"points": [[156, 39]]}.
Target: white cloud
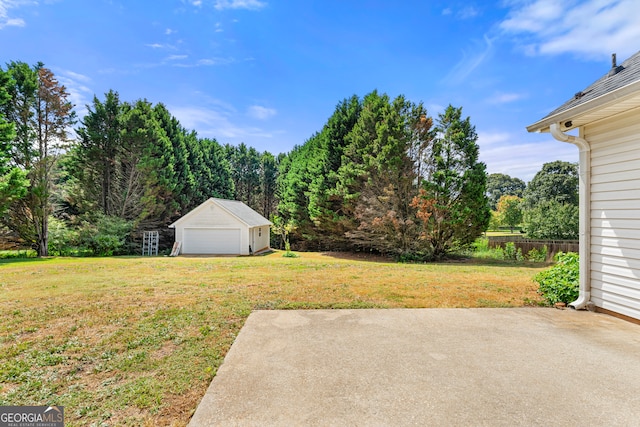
{"points": [[505, 98], [239, 4], [261, 113], [215, 61], [176, 61], [434, 109], [79, 93], [169, 31], [468, 12], [8, 21], [155, 45], [470, 61], [77, 76], [591, 28], [505, 153], [217, 123]]}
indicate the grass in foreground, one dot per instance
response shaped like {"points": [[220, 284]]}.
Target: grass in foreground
{"points": [[135, 341]]}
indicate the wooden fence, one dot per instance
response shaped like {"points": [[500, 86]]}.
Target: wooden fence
{"points": [[525, 245]]}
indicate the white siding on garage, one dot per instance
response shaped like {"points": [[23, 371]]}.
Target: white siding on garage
{"points": [[219, 226], [615, 212], [211, 241], [260, 238]]}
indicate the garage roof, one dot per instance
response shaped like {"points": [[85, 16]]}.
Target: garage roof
{"points": [[243, 212], [236, 208]]}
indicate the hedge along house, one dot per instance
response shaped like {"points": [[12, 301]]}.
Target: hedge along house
{"points": [[607, 118], [222, 227]]}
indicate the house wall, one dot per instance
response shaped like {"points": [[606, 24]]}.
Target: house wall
{"points": [[615, 212], [211, 216]]}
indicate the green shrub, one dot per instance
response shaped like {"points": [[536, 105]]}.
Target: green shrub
{"points": [[106, 235], [538, 255], [19, 253], [481, 245], [560, 283], [62, 240], [511, 253]]}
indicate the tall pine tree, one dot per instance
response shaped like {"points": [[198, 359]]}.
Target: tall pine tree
{"points": [[453, 205]]}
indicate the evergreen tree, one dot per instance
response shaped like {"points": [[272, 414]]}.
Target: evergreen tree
{"points": [[453, 206], [13, 181], [293, 190], [214, 175], [96, 156], [182, 181], [268, 177], [325, 203], [379, 173], [245, 170]]}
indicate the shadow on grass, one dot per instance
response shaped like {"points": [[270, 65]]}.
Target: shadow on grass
{"points": [[4, 261], [452, 259]]}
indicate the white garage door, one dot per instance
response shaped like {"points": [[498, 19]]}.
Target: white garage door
{"points": [[211, 241]]}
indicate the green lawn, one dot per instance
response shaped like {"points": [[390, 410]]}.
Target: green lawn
{"points": [[135, 341]]}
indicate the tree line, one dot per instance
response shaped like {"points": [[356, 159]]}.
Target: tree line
{"points": [[545, 208], [129, 167], [381, 175]]}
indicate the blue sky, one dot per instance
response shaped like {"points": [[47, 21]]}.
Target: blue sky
{"points": [[270, 72]]}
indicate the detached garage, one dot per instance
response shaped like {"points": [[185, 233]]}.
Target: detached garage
{"points": [[222, 227]]}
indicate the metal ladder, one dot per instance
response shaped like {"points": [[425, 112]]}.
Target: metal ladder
{"points": [[150, 243]]}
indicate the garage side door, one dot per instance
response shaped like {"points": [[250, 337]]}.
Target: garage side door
{"points": [[211, 241]]}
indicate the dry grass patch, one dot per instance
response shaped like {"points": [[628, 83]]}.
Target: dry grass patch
{"points": [[134, 341]]}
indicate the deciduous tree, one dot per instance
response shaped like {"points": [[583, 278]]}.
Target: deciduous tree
{"points": [[556, 181], [510, 211], [551, 202], [499, 184], [42, 114]]}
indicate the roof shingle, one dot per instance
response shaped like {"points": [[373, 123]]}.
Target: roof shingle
{"points": [[628, 72]]}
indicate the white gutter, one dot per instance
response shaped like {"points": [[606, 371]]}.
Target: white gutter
{"points": [[584, 296]]}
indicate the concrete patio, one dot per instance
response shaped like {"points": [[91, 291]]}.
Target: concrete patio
{"points": [[475, 367]]}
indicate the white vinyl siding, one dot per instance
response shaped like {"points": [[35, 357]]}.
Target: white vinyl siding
{"points": [[260, 238], [615, 212]]}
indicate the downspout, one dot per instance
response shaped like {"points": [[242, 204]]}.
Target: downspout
{"points": [[584, 296]]}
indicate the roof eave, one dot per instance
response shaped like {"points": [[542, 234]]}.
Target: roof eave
{"points": [[585, 108]]}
